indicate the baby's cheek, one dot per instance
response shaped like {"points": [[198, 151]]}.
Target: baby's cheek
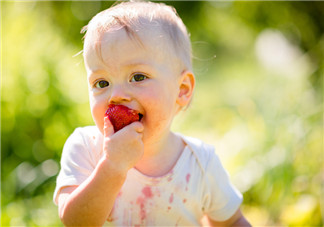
{"points": [[162, 113], [98, 114]]}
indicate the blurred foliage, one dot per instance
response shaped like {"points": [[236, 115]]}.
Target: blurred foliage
{"points": [[258, 99]]}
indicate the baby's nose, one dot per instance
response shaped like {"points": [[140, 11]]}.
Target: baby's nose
{"points": [[119, 94]]}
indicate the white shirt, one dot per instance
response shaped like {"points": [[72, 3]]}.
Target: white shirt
{"points": [[197, 185]]}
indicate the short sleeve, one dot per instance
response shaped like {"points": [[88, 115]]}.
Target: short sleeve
{"points": [[221, 199], [77, 162]]}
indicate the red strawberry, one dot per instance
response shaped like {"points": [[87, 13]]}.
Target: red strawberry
{"points": [[121, 116]]}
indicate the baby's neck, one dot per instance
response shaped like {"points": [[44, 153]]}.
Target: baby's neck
{"points": [[160, 157]]}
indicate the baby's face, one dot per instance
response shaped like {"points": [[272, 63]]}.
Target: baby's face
{"points": [[142, 77]]}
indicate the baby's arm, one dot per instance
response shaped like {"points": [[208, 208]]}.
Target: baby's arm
{"points": [[91, 202], [236, 220]]}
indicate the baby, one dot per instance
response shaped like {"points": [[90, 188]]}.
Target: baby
{"points": [[138, 61]]}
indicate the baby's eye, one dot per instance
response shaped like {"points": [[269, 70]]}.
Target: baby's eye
{"points": [[138, 77], [101, 84]]}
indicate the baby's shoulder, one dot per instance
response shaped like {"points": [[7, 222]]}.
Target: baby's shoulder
{"points": [[86, 132], [202, 151], [86, 141], [84, 135]]}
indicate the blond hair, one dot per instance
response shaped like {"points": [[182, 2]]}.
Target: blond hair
{"points": [[133, 16]]}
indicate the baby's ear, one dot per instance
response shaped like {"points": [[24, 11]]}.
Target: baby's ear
{"points": [[186, 88]]}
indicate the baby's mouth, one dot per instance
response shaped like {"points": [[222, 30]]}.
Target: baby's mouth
{"points": [[140, 116]]}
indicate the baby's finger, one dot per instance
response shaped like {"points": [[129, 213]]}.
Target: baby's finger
{"points": [[138, 126], [108, 127]]}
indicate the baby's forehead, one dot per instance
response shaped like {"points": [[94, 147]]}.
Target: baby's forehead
{"points": [[147, 38]]}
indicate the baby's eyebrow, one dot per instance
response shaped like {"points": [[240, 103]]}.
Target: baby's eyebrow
{"points": [[132, 65], [95, 73], [141, 66], [99, 71]]}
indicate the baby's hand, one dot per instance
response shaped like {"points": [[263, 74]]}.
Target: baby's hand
{"points": [[124, 148]]}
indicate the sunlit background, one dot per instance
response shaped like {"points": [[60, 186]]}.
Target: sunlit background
{"points": [[258, 100]]}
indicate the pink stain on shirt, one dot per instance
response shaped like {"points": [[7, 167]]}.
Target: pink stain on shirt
{"points": [[147, 192], [188, 178], [141, 201], [171, 198]]}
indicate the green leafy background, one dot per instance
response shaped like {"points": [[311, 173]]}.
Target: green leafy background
{"points": [[259, 100]]}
